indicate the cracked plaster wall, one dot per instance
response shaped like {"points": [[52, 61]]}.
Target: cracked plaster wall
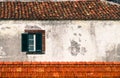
{"points": [[65, 41]]}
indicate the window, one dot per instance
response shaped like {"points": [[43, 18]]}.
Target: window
{"points": [[33, 42]]}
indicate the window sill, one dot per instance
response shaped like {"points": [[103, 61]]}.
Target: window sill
{"points": [[34, 53]]}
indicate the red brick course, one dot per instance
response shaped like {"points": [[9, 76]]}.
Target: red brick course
{"points": [[68, 10], [60, 69]]}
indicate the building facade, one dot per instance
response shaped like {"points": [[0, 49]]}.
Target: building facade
{"points": [[59, 31]]}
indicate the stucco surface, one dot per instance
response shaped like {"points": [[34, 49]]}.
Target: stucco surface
{"points": [[65, 40]]}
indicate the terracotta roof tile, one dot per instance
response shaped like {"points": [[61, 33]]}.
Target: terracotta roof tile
{"points": [[81, 10], [60, 69]]}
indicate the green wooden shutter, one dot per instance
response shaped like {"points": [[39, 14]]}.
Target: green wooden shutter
{"points": [[24, 42], [39, 42]]}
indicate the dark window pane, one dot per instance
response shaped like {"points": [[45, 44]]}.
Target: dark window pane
{"points": [[31, 42], [30, 36], [31, 48]]}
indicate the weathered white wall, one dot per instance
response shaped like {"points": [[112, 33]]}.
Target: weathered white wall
{"points": [[65, 41]]}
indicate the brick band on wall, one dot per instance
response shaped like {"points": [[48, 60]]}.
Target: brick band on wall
{"points": [[60, 69]]}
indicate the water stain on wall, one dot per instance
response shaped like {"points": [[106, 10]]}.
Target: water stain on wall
{"points": [[118, 49], [2, 53], [110, 52], [79, 26], [83, 50], [48, 34], [75, 48]]}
